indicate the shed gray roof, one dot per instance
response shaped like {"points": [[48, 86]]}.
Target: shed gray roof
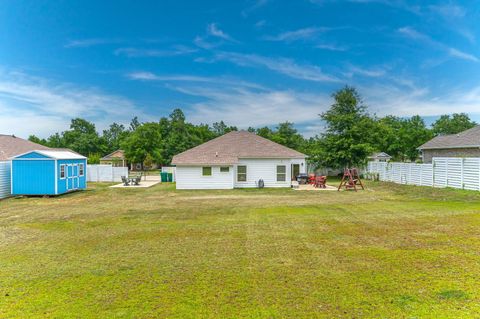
{"points": [[228, 148], [11, 146], [466, 139]]}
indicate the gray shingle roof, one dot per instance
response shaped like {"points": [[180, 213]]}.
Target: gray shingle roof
{"points": [[11, 146], [466, 139], [228, 148]]}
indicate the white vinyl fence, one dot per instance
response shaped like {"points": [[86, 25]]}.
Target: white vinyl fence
{"points": [[5, 180], [105, 173], [463, 173]]}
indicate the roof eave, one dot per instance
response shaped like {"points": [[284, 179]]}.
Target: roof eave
{"points": [[447, 147]]}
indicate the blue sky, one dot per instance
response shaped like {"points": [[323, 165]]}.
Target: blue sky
{"points": [[249, 63]]}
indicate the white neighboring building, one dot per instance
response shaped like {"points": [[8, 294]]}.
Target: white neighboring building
{"points": [[238, 159], [379, 157]]}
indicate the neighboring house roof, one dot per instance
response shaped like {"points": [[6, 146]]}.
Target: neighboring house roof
{"points": [[380, 155], [11, 146], [55, 154], [228, 148], [118, 154], [466, 139]]}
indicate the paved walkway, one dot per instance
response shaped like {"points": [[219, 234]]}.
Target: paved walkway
{"points": [[309, 187], [147, 181]]}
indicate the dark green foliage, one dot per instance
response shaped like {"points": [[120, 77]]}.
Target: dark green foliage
{"points": [[35, 139], [346, 141], [454, 124]]}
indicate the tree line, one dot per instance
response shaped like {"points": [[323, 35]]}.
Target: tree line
{"points": [[350, 135]]}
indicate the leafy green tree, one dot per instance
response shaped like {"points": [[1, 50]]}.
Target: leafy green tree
{"points": [[114, 136], [287, 135], [346, 141], [454, 124], [144, 141], [413, 134], [220, 128], [83, 138], [35, 139], [265, 132], [56, 141], [134, 123], [94, 159]]}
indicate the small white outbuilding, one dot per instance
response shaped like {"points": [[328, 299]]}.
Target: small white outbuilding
{"points": [[238, 159]]}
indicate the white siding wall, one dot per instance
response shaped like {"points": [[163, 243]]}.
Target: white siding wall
{"points": [[265, 169], [5, 179], [190, 177]]}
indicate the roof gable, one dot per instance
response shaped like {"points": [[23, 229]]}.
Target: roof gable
{"points": [[32, 154], [228, 148], [466, 139], [49, 154], [118, 154]]}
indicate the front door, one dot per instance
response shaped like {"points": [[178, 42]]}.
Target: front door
{"points": [[75, 176], [69, 177], [295, 171]]}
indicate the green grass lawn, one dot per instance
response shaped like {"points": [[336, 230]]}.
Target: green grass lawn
{"points": [[389, 252]]}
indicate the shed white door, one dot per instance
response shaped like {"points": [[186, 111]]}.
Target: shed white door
{"points": [[72, 177]]}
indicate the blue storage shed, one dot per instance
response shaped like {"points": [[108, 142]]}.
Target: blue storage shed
{"points": [[48, 172]]}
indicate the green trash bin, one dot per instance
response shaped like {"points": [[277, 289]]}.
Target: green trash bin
{"points": [[170, 177], [164, 177]]}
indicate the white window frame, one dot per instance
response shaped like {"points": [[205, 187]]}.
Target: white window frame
{"points": [[81, 170], [284, 174], [246, 174], [227, 171], [62, 166], [211, 171]]}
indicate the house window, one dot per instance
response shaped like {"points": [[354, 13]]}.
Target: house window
{"points": [[62, 171], [224, 169], [81, 170], [207, 171], [281, 173], [241, 173]]}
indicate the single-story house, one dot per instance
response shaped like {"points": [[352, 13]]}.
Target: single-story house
{"points": [[116, 159], [379, 157], [238, 159], [464, 144], [48, 172]]}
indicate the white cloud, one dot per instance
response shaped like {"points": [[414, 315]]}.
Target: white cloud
{"points": [[385, 99], [448, 10], [374, 73], [414, 34], [84, 43], [213, 30], [220, 81], [453, 52], [331, 47], [245, 107], [284, 66], [137, 52], [462, 55], [31, 105], [300, 34], [256, 5]]}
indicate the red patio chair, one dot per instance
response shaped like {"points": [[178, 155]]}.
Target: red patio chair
{"points": [[311, 179], [321, 181]]}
